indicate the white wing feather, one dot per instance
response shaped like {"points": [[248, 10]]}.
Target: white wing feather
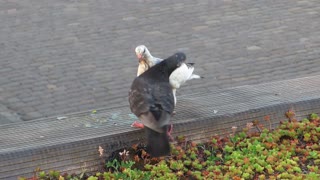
{"points": [[182, 74]]}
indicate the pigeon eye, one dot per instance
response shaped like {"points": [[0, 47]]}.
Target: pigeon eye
{"points": [[144, 50]]}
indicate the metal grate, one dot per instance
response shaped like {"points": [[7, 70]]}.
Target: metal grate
{"points": [[71, 143]]}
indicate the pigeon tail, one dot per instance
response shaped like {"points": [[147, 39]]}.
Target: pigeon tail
{"points": [[157, 143]]}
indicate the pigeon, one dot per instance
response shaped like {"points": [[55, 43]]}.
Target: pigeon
{"points": [[146, 60], [151, 100], [177, 78]]}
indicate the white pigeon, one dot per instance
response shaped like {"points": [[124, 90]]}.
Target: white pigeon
{"points": [[178, 76], [146, 60]]}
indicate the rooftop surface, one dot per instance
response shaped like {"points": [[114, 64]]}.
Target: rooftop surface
{"points": [[63, 57]]}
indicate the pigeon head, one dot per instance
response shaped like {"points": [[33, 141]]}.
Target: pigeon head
{"points": [[141, 51], [175, 61]]}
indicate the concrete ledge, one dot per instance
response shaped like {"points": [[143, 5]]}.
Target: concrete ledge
{"points": [[71, 143]]}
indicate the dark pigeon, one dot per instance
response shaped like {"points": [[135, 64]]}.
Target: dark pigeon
{"points": [[151, 100]]}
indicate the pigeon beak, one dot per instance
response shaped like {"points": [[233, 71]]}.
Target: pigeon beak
{"points": [[139, 56]]}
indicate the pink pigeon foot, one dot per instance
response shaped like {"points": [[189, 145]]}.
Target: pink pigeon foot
{"points": [[140, 125], [137, 125], [169, 132]]}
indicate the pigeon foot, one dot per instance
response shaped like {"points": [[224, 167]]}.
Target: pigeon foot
{"points": [[137, 125], [169, 132]]}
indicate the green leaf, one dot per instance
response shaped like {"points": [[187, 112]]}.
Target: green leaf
{"points": [[92, 178]]}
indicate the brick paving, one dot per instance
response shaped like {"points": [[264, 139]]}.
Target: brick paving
{"points": [[59, 57]]}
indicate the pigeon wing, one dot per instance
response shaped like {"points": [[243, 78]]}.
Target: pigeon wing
{"points": [[152, 103], [180, 75], [138, 97]]}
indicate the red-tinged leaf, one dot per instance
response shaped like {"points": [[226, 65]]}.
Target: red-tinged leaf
{"points": [[236, 178], [261, 126], [178, 148], [267, 118], [205, 173], [246, 160], [303, 159], [189, 173], [136, 158], [193, 144], [290, 114], [255, 122], [135, 147]]}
